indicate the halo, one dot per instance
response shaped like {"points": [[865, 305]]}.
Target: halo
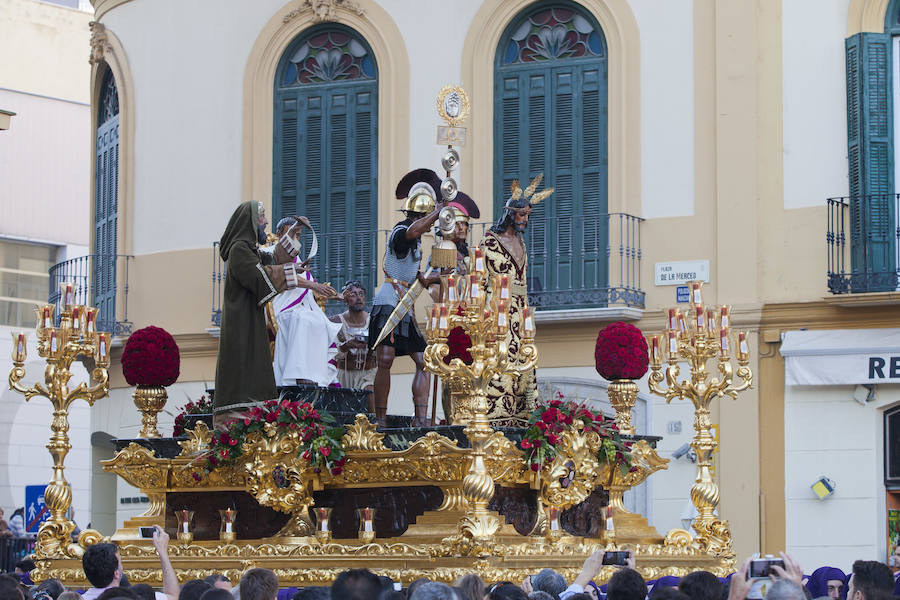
{"points": [[453, 105]]}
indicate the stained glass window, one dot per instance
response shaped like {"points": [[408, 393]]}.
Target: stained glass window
{"points": [[327, 57], [550, 34]]}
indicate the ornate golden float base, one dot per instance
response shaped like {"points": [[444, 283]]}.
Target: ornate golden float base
{"points": [[303, 561]]}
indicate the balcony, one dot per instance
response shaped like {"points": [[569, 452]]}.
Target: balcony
{"points": [[862, 242], [101, 280], [572, 264]]}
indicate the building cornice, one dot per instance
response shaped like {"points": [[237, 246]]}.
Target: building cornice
{"points": [[101, 7]]}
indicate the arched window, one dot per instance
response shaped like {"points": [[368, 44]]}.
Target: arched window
{"points": [[106, 202], [326, 147], [550, 116]]}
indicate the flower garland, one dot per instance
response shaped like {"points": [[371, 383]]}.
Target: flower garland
{"points": [[202, 406], [621, 352], [151, 358], [321, 439], [548, 422]]}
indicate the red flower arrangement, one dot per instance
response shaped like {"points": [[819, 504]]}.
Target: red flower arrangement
{"points": [[459, 342], [202, 406], [151, 358], [621, 352], [548, 422], [321, 439]]}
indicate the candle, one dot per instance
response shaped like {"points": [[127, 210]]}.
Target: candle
{"points": [[743, 347], [54, 342], [711, 321], [451, 288], [102, 346], [185, 521], [67, 292], [695, 293], [723, 341], [229, 520], [654, 349], [673, 320], [474, 287], [367, 519], [76, 318], [443, 320], [682, 324], [504, 287], [479, 260], [701, 324], [723, 316], [435, 311], [553, 517], [90, 322], [323, 524], [47, 317], [19, 350], [673, 345], [529, 322]]}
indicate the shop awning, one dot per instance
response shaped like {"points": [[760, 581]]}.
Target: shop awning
{"points": [[841, 356]]}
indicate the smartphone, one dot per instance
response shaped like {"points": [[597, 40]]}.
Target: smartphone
{"points": [[762, 567], [147, 532], [615, 558]]}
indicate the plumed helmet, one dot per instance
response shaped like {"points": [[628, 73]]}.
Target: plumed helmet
{"points": [[419, 191], [464, 207]]}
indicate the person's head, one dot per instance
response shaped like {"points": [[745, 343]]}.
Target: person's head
{"points": [[539, 595], [261, 221], [19, 512], [433, 590], [356, 584], [549, 581], [415, 584], [259, 584], [354, 295], [10, 588], [387, 595], [870, 580], [214, 593], [49, 589], [217, 580], [626, 584], [283, 226], [70, 596], [667, 592], [785, 589], [26, 565], [472, 586], [506, 591], [701, 585], [312, 593], [827, 581], [102, 565], [114, 593], [143, 591], [193, 589], [386, 582]]}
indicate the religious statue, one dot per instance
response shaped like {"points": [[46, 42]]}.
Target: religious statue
{"points": [[511, 399], [244, 374], [419, 191]]}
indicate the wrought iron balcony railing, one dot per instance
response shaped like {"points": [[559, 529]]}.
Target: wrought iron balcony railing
{"points": [[101, 280], [585, 263], [863, 240]]}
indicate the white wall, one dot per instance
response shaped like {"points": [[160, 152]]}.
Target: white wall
{"points": [[815, 101], [667, 106], [828, 433], [25, 431]]}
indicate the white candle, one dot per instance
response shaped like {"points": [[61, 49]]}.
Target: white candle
{"points": [[673, 344], [227, 527], [184, 527], [367, 525]]}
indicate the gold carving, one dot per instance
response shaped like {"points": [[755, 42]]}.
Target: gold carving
{"points": [[323, 10], [149, 400], [575, 471], [622, 396], [198, 440], [362, 437]]}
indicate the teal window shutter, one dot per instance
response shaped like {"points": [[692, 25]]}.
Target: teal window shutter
{"points": [[106, 203], [550, 90], [326, 148], [871, 162]]}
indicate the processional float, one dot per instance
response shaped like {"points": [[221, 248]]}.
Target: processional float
{"points": [[445, 493]]}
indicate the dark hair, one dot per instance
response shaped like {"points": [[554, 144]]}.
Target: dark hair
{"points": [[472, 587], [580, 596], [11, 588], [51, 588], [19, 511], [215, 578], [541, 595], [100, 563], [354, 584], [312, 593], [354, 283], [871, 577], [549, 581], [416, 583], [26, 565], [392, 595], [193, 589], [259, 584], [701, 585], [666, 592], [214, 593], [117, 592], [143, 591], [626, 584], [507, 591]]}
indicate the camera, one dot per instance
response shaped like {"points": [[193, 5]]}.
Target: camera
{"points": [[615, 558], [762, 567], [147, 532]]}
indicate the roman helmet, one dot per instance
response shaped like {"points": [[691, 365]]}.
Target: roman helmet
{"points": [[419, 191]]}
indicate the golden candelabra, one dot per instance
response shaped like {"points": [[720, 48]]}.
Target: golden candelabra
{"points": [[702, 335], [484, 316], [76, 336]]}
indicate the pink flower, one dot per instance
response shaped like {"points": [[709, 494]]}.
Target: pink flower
{"points": [[325, 450]]}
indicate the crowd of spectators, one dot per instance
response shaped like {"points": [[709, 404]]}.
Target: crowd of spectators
{"points": [[868, 580]]}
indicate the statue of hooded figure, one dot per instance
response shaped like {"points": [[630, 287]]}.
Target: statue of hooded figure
{"points": [[244, 374]]}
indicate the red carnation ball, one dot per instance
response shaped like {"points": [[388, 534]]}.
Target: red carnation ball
{"points": [[621, 352], [151, 358]]}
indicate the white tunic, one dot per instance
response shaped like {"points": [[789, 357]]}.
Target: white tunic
{"points": [[306, 339]]}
